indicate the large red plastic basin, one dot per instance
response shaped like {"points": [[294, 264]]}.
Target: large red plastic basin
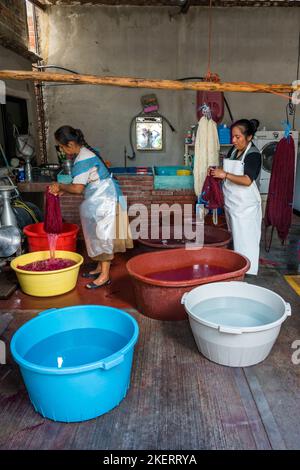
{"points": [[38, 240], [213, 236], [162, 299]]}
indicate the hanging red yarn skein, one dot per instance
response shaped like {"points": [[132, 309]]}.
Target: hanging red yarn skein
{"points": [[53, 217], [279, 207]]}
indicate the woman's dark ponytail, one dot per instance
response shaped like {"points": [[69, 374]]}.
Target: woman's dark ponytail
{"points": [[255, 125], [80, 137]]}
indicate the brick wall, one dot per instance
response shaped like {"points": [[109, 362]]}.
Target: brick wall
{"points": [[13, 21], [139, 190], [70, 208], [32, 46]]}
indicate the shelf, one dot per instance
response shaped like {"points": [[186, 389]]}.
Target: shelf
{"points": [[221, 145]]}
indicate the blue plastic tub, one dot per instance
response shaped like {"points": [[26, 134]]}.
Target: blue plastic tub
{"points": [[165, 177], [169, 170], [130, 170], [76, 361]]}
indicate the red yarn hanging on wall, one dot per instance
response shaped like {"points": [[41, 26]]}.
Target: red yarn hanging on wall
{"points": [[53, 218], [279, 207], [215, 101]]}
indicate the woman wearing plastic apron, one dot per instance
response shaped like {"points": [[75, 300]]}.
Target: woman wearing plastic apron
{"points": [[241, 196], [103, 212]]}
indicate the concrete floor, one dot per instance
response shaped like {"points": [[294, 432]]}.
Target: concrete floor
{"points": [[177, 399]]}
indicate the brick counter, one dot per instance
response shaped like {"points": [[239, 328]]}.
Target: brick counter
{"points": [[139, 189]]}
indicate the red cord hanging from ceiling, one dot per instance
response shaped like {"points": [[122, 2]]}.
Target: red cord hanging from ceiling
{"points": [[210, 76], [214, 99]]}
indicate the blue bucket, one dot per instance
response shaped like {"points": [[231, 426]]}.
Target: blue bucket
{"points": [[76, 361]]}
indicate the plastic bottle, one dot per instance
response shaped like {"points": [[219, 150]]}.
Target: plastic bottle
{"points": [[193, 134], [21, 174], [188, 137]]}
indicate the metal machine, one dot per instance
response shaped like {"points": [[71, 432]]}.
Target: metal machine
{"points": [[10, 235]]}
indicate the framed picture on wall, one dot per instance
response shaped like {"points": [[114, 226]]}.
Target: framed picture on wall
{"points": [[149, 133]]}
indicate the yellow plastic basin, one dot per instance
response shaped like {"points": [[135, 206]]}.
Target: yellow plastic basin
{"points": [[47, 283], [183, 172]]}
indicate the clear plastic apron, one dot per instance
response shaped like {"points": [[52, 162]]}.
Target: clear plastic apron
{"points": [[98, 217], [243, 213]]}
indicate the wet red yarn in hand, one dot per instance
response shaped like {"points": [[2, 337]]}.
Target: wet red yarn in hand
{"points": [[53, 218], [212, 193]]}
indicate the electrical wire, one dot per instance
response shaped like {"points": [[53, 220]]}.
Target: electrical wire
{"points": [[22, 205], [41, 67], [228, 108], [54, 67]]}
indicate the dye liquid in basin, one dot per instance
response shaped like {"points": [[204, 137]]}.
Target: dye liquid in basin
{"points": [[235, 311], [75, 347], [51, 264], [196, 271]]}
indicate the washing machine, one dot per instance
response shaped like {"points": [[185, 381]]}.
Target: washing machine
{"points": [[266, 142]]}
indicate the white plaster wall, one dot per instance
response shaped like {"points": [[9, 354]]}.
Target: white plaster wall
{"points": [[249, 44]]}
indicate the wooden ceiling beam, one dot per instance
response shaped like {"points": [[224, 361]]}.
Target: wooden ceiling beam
{"points": [[39, 3], [129, 82], [151, 3]]}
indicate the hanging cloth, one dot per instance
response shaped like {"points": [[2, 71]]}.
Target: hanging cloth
{"points": [[243, 212], [53, 218], [279, 206], [207, 150]]}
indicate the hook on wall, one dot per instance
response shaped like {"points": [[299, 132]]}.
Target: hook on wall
{"points": [[206, 111]]}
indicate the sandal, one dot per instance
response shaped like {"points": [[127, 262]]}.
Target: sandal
{"points": [[90, 275], [92, 285]]}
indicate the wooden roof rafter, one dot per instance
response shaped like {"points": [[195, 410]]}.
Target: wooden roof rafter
{"points": [[43, 4], [39, 3]]}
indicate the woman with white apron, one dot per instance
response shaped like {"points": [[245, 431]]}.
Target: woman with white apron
{"points": [[242, 199], [103, 212]]}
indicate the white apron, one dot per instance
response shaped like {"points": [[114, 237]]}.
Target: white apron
{"points": [[98, 217], [243, 213]]}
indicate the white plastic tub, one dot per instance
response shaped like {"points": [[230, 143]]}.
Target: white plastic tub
{"points": [[235, 339]]}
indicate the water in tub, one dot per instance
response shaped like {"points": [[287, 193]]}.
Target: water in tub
{"points": [[186, 273], [75, 348], [235, 311]]}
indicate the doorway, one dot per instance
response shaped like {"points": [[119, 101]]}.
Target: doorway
{"points": [[14, 112]]}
